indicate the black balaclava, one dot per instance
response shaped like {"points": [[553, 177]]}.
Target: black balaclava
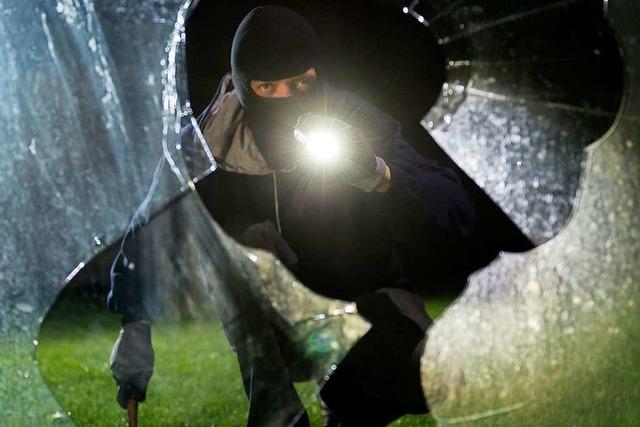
{"points": [[274, 43]]}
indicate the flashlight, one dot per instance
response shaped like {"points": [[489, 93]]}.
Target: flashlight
{"points": [[321, 140]]}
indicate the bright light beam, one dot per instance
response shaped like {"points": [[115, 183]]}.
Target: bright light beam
{"points": [[322, 146]]}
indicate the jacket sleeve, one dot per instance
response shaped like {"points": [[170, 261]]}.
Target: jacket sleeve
{"points": [[424, 197], [132, 271], [129, 284], [428, 211]]}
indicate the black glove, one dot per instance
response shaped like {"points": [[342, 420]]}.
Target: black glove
{"points": [[132, 361], [355, 159], [264, 235]]}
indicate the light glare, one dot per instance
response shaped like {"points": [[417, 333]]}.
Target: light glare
{"points": [[322, 146]]}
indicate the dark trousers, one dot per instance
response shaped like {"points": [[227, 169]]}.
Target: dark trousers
{"points": [[379, 379]]}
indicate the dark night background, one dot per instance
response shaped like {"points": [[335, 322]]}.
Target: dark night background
{"points": [[385, 56], [374, 50]]}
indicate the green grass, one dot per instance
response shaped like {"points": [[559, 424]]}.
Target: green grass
{"points": [[196, 381]]}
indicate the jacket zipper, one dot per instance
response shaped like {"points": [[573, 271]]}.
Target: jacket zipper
{"points": [[276, 203]]}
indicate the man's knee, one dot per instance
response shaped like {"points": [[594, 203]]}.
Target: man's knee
{"points": [[379, 379]]}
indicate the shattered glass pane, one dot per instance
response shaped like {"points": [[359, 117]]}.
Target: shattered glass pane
{"points": [[92, 103], [93, 100], [201, 290], [512, 95], [82, 130], [550, 337]]}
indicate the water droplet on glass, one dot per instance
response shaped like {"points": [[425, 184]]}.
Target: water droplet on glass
{"points": [[57, 415], [25, 308], [93, 45], [97, 242], [350, 308]]}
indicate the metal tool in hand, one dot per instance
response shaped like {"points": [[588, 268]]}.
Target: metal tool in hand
{"points": [[132, 412]]}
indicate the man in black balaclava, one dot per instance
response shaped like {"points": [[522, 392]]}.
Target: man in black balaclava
{"points": [[273, 44], [357, 228]]}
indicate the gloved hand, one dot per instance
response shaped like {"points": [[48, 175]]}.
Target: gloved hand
{"points": [[264, 235], [132, 361], [354, 160]]}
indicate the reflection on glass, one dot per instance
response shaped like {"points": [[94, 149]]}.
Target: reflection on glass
{"points": [[549, 337], [530, 85], [83, 113], [104, 136]]}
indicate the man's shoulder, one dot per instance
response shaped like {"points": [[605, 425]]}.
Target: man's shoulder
{"points": [[377, 125], [228, 137], [363, 113]]}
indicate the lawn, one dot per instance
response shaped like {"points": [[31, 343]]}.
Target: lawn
{"points": [[196, 380]]}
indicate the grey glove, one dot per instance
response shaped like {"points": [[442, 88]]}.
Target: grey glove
{"points": [[132, 361], [264, 235], [355, 160]]}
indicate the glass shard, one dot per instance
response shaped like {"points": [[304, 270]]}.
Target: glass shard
{"points": [[514, 115], [94, 97], [550, 337]]}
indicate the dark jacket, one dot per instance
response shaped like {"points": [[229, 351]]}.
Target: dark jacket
{"points": [[348, 242]]}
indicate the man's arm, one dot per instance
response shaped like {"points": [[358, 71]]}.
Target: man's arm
{"points": [[132, 356], [429, 213], [424, 195], [419, 192], [129, 274]]}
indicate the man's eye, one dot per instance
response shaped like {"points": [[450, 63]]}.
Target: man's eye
{"points": [[303, 85], [266, 86]]}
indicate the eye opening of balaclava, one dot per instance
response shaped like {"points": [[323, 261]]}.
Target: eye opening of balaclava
{"points": [[274, 43]]}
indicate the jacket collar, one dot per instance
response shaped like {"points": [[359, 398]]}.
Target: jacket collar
{"points": [[228, 136]]}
